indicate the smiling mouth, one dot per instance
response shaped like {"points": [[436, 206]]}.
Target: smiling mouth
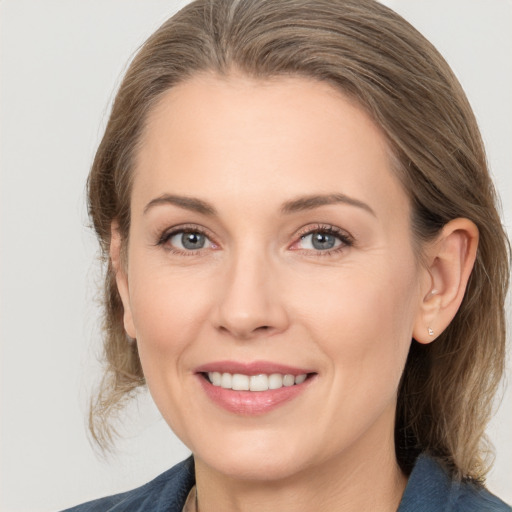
{"points": [[253, 388], [257, 383]]}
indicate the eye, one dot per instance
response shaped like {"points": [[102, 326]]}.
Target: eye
{"points": [[323, 240], [189, 240], [320, 241], [186, 241]]}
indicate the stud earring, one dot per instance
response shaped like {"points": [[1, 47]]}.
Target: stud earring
{"points": [[430, 331]]}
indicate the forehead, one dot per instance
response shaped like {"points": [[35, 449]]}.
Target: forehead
{"points": [[235, 136]]}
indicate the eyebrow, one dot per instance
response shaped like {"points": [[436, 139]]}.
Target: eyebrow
{"points": [[315, 201], [296, 205], [188, 203]]}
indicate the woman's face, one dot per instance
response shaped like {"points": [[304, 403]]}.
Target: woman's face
{"points": [[270, 242]]}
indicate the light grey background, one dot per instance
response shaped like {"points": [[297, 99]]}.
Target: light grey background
{"points": [[60, 64]]}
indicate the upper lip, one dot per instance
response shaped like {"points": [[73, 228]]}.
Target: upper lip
{"points": [[252, 368]]}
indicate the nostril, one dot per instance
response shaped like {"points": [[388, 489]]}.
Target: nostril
{"points": [[265, 330]]}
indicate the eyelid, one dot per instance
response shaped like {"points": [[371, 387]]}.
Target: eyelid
{"points": [[346, 238], [326, 228], [168, 233]]}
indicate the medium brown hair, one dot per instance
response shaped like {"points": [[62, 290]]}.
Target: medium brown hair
{"points": [[374, 56]]}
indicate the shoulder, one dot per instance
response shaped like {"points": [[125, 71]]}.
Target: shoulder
{"points": [[431, 489], [470, 498], [167, 492]]}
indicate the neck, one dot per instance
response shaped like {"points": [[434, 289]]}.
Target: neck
{"points": [[366, 477]]}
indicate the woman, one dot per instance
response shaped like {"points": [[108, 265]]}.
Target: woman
{"points": [[305, 263]]}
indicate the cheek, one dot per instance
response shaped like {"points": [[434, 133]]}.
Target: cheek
{"points": [[168, 309], [363, 319], [169, 313]]}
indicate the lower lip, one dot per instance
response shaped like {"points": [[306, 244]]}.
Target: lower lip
{"points": [[250, 403]]}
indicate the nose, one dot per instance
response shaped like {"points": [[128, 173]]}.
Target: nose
{"points": [[251, 301]]}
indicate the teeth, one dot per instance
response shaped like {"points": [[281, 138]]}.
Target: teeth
{"points": [[275, 381], [240, 382], [288, 380], [261, 382], [226, 381], [300, 378], [215, 378]]}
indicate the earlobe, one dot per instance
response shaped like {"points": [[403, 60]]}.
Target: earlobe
{"points": [[451, 258], [119, 268]]}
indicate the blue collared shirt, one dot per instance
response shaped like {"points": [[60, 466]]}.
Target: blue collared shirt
{"points": [[429, 489]]}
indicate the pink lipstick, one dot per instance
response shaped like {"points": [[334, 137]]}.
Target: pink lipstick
{"points": [[252, 388]]}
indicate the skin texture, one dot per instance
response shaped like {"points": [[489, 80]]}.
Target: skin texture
{"points": [[259, 291]]}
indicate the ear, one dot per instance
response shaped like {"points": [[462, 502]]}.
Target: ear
{"points": [[450, 259], [120, 271]]}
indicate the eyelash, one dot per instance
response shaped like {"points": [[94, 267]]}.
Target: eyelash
{"points": [[343, 236], [167, 235], [326, 229]]}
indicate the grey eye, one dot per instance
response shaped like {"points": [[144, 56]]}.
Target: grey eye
{"points": [[189, 240], [320, 241]]}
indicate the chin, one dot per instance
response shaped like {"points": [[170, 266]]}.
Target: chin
{"points": [[255, 467], [255, 458]]}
